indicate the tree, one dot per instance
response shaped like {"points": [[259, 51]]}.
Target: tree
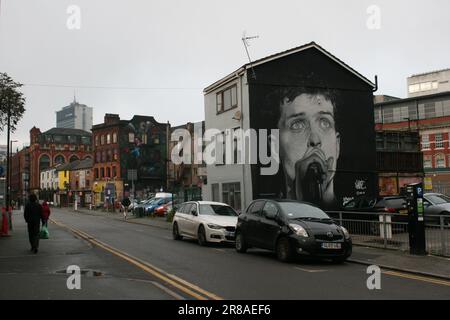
{"points": [[11, 101], [12, 108]]}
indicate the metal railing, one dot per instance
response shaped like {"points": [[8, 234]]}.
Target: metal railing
{"points": [[390, 231]]}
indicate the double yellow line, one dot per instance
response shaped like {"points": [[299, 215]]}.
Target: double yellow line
{"points": [[176, 282], [418, 278]]}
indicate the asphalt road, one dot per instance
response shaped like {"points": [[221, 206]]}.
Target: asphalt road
{"points": [[223, 273]]}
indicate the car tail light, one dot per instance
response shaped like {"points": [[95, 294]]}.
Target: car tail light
{"points": [[390, 210]]}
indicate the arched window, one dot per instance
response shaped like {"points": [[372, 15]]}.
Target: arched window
{"points": [[73, 158], [59, 159], [44, 162]]}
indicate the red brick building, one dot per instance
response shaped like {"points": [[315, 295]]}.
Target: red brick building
{"points": [[20, 175], [430, 116], [122, 146], [56, 146]]}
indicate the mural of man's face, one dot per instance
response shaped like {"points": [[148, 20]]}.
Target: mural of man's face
{"points": [[309, 146]]}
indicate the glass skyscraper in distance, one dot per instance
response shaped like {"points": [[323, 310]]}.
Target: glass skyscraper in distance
{"points": [[75, 116]]}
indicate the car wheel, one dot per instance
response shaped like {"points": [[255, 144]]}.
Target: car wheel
{"points": [[446, 218], [241, 246], [201, 236], [284, 250], [176, 232]]}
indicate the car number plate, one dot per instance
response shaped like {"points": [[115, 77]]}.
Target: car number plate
{"points": [[230, 234], [403, 211], [328, 245]]}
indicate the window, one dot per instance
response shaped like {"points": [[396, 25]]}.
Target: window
{"points": [[423, 86], [108, 138], [414, 88], [114, 137], [439, 143], [96, 141], [108, 172], [215, 192], [187, 208], [440, 161], [388, 115], [131, 137], [72, 139], [114, 171], [102, 140], [256, 208], [102, 172], [227, 99], [270, 208], [231, 194], [430, 110], [219, 102], [98, 157], [425, 142], [96, 173], [86, 140]]}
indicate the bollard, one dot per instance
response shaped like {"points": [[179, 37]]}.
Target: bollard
{"points": [[4, 231]]}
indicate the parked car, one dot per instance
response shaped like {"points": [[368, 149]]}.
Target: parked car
{"points": [[390, 204], [139, 210], [436, 205], [291, 228], [363, 209], [162, 210], [150, 207], [205, 221]]}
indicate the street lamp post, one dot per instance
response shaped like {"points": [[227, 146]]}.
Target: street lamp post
{"points": [[9, 173]]}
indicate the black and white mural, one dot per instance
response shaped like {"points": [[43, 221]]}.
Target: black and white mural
{"points": [[324, 114]]}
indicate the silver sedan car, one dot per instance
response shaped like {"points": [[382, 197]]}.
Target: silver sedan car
{"points": [[436, 205]]}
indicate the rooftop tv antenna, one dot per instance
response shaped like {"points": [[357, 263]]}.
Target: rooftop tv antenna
{"points": [[245, 40]]}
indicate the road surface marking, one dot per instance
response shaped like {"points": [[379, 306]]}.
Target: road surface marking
{"points": [[310, 270], [419, 278], [178, 283], [160, 286]]}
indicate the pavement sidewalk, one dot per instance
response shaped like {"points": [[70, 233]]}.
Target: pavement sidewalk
{"points": [[429, 265], [43, 276]]}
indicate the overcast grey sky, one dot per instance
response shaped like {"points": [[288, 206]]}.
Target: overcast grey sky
{"points": [[181, 46]]}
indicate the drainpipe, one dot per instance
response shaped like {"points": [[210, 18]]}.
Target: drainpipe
{"points": [[243, 192]]}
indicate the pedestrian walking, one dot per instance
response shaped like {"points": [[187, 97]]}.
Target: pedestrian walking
{"points": [[45, 213], [33, 216], [125, 204]]}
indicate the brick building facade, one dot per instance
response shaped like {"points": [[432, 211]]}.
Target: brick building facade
{"points": [[56, 146], [429, 116], [138, 144]]}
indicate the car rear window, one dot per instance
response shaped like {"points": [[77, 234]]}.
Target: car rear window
{"points": [[394, 203], [220, 210]]}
